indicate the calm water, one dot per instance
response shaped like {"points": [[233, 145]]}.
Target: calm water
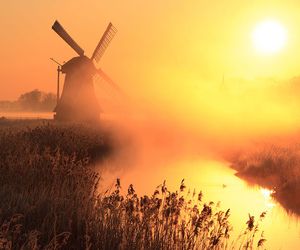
{"points": [[218, 183], [27, 115], [41, 115]]}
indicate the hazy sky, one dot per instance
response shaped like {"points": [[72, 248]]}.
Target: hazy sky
{"points": [[162, 48]]}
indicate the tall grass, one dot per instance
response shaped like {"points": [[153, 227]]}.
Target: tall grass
{"points": [[46, 175], [50, 200], [276, 167]]}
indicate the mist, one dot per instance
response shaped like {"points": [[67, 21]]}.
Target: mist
{"points": [[159, 130], [228, 111]]}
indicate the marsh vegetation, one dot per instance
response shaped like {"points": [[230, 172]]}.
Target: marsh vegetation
{"points": [[275, 166], [50, 199]]}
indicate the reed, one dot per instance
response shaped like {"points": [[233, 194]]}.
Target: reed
{"points": [[50, 200], [276, 167]]}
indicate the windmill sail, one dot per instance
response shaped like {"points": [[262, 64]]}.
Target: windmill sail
{"points": [[112, 97], [107, 79], [104, 42], [67, 38]]}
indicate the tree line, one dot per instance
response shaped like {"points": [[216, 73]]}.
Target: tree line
{"points": [[34, 101]]}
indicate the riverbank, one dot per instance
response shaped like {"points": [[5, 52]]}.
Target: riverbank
{"points": [[276, 166], [50, 199]]}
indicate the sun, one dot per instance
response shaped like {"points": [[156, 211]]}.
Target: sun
{"points": [[269, 37]]}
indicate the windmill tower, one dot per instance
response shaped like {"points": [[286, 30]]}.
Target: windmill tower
{"points": [[78, 101]]}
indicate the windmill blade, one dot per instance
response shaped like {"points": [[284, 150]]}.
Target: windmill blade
{"points": [[67, 38], [107, 36], [114, 99], [111, 97], [107, 79], [106, 91]]}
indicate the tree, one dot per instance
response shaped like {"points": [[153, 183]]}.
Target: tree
{"points": [[37, 100], [48, 102]]}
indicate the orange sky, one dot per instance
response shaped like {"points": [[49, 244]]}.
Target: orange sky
{"points": [[167, 52]]}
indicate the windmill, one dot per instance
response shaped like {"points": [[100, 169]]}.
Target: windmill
{"points": [[78, 101]]}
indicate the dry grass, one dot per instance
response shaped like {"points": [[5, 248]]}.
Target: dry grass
{"points": [[276, 167], [50, 200]]}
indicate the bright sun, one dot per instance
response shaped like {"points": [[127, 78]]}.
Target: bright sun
{"points": [[269, 37]]}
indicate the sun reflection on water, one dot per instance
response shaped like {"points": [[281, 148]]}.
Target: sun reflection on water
{"points": [[267, 194], [218, 183]]}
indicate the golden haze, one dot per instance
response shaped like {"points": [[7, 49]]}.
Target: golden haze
{"points": [[169, 55]]}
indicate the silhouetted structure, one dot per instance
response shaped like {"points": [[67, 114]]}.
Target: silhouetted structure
{"points": [[78, 101]]}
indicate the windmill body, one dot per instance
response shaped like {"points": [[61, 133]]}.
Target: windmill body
{"points": [[78, 101]]}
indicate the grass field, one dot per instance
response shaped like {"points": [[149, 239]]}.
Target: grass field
{"points": [[50, 199], [276, 166]]}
